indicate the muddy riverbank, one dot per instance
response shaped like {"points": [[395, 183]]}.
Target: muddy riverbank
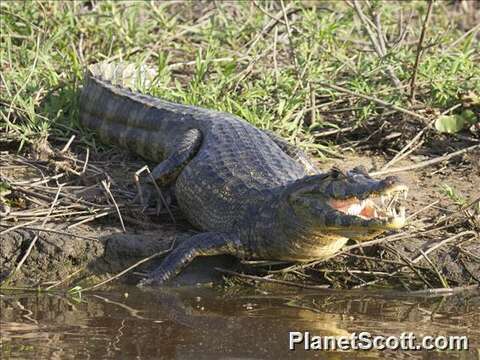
{"points": [[79, 239]]}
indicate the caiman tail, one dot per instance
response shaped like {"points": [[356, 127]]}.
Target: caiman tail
{"points": [[138, 122]]}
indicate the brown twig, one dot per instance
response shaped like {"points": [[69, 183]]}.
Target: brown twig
{"points": [[313, 109], [421, 256], [474, 29], [65, 279], [428, 206], [442, 243], [107, 189], [374, 99], [241, 76], [403, 152], [290, 40], [378, 42], [427, 162], [85, 163], [131, 311], [367, 24], [89, 218], [419, 50], [376, 292], [442, 278], [275, 281], [67, 145], [179, 65], [274, 18], [409, 264], [157, 188], [333, 132], [16, 227], [36, 182], [275, 63]]}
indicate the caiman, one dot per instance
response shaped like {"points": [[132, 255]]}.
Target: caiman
{"points": [[251, 193]]}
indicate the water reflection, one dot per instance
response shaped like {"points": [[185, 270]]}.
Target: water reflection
{"points": [[204, 323]]}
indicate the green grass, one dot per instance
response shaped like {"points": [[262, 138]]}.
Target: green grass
{"points": [[45, 45]]}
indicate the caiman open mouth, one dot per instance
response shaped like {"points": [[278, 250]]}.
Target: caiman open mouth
{"points": [[388, 209]]}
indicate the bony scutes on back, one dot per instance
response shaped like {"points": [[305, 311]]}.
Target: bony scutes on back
{"points": [[310, 216]]}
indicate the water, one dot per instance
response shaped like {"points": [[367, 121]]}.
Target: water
{"points": [[127, 323]]}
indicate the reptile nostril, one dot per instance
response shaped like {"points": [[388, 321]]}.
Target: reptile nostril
{"points": [[390, 180]]}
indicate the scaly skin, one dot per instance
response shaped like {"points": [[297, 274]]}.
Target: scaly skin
{"points": [[251, 193]]}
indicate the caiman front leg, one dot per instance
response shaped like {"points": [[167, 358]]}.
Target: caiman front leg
{"points": [[205, 244], [293, 151]]}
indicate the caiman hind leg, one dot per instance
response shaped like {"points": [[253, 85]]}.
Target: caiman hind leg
{"points": [[294, 152], [205, 244], [165, 173]]}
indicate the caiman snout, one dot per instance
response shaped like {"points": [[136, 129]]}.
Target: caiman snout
{"points": [[351, 204]]}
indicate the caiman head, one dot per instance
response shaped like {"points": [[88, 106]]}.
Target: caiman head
{"points": [[335, 205]]}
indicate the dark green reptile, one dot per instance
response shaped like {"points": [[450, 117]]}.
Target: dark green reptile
{"points": [[252, 194]]}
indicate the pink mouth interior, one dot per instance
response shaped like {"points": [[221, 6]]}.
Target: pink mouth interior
{"points": [[364, 208]]}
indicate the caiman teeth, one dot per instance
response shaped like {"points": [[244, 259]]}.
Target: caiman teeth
{"points": [[392, 200], [394, 213], [391, 212], [386, 209], [398, 220]]}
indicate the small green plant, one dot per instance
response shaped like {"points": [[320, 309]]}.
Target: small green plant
{"points": [[455, 123], [453, 194], [76, 293]]}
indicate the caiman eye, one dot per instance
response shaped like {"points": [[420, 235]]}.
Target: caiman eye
{"points": [[337, 173], [360, 170]]}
